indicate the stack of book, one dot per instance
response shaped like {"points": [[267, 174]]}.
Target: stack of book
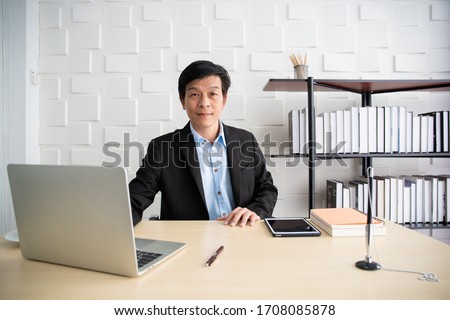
{"points": [[372, 130], [408, 200], [339, 222]]}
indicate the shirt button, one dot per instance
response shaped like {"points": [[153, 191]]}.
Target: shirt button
{"points": [[219, 193], [215, 170]]}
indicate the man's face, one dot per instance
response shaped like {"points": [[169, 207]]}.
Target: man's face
{"points": [[204, 103]]}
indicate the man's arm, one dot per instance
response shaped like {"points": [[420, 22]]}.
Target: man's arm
{"points": [[144, 187]]}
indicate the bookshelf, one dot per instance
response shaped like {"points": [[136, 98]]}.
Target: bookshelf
{"points": [[366, 88]]}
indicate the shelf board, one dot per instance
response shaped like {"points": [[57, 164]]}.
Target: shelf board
{"points": [[357, 86], [366, 155], [421, 225]]}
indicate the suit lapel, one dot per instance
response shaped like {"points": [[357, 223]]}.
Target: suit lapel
{"points": [[234, 159], [187, 148]]}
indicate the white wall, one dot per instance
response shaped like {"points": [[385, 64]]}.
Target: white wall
{"points": [[110, 68]]}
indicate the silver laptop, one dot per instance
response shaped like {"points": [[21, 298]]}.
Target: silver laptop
{"points": [[80, 216]]}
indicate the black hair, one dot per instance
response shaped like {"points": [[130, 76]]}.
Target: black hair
{"points": [[202, 69]]}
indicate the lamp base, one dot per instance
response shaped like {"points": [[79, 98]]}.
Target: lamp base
{"points": [[368, 265]]}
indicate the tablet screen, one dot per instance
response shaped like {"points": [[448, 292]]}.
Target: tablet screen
{"points": [[291, 227]]}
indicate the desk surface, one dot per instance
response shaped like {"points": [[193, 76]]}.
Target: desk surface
{"points": [[253, 265]]}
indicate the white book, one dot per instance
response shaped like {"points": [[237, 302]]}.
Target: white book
{"points": [[373, 198], [402, 129], [363, 130], [354, 119], [387, 199], [445, 131], [393, 200], [409, 133], [293, 122], [387, 130], [419, 181], [441, 200], [413, 204], [400, 200], [372, 133], [319, 135], [407, 202], [333, 130], [394, 129], [347, 131], [327, 132], [430, 134], [447, 197], [352, 189], [334, 193], [340, 142], [359, 199], [438, 132], [345, 197], [380, 197], [416, 137], [427, 200], [433, 198], [303, 133], [423, 133], [380, 130]]}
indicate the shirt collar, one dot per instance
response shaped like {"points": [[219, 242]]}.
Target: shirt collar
{"points": [[198, 139]]}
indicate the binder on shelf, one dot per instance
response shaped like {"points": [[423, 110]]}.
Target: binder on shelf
{"points": [[294, 134], [372, 129], [338, 222], [445, 131], [440, 200], [340, 142], [394, 129], [303, 130], [409, 131], [347, 131], [363, 130], [333, 131], [354, 120], [416, 131], [334, 193], [326, 132], [319, 135], [387, 130], [402, 129], [380, 129], [379, 196]]}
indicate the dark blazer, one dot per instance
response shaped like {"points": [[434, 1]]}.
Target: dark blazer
{"points": [[171, 166]]}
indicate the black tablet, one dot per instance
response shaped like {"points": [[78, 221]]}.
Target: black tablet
{"points": [[291, 227]]}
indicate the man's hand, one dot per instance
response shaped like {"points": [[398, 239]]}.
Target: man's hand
{"points": [[240, 216]]}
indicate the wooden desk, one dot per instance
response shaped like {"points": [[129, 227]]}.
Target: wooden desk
{"points": [[253, 265]]}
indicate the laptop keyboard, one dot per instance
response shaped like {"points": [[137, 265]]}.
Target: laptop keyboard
{"points": [[144, 257]]}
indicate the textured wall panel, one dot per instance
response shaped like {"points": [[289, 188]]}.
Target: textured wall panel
{"points": [[118, 16], [118, 87], [80, 134], [120, 112], [53, 113], [155, 107], [85, 36], [121, 63], [49, 88], [84, 108], [121, 40]]}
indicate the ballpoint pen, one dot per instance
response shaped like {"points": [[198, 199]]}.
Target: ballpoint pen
{"points": [[214, 256]]}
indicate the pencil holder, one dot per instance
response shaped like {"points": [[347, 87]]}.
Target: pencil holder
{"points": [[301, 71]]}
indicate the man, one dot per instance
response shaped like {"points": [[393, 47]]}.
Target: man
{"points": [[207, 170]]}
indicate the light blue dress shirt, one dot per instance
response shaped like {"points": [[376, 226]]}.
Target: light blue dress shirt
{"points": [[215, 175]]}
